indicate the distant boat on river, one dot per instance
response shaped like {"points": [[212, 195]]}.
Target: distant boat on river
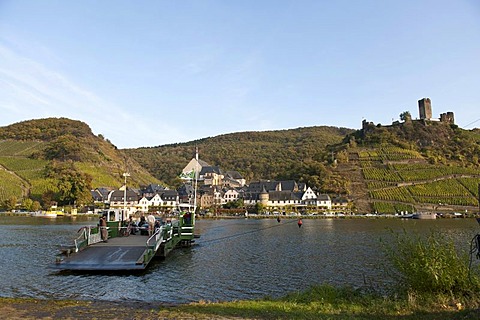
{"points": [[44, 214], [424, 215]]}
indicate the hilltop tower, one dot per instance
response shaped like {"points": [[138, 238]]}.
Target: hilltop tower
{"points": [[447, 117], [425, 108]]}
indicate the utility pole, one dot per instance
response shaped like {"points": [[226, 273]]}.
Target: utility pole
{"points": [[125, 175]]}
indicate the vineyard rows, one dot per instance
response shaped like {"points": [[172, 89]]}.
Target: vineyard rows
{"points": [[444, 188], [387, 207], [392, 194], [10, 186], [381, 174], [440, 184], [19, 148], [389, 153], [471, 184], [444, 192], [379, 185], [100, 178]]}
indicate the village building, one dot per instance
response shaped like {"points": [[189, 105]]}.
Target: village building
{"points": [[118, 201], [151, 190], [231, 195], [233, 179], [164, 201], [285, 196], [100, 195], [340, 204], [211, 175]]}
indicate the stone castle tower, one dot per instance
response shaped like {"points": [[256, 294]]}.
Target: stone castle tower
{"points": [[425, 108], [263, 197], [447, 117]]}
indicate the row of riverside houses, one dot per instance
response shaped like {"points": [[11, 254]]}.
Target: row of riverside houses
{"points": [[216, 188]]}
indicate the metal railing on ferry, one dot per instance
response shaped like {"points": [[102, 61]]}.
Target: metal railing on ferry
{"points": [[157, 237]]}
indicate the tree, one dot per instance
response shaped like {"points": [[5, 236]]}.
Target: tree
{"points": [[48, 199], [35, 206], [73, 186], [234, 204], [405, 116], [27, 204], [259, 208], [64, 148], [11, 203]]}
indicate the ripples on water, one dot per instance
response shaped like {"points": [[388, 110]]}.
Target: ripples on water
{"points": [[233, 259]]}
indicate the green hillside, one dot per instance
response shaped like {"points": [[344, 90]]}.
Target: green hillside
{"points": [[412, 166], [404, 167], [300, 154], [37, 155]]}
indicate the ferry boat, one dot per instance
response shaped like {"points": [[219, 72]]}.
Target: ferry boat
{"points": [[124, 249]]}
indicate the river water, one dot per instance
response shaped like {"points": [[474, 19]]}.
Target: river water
{"points": [[233, 259]]}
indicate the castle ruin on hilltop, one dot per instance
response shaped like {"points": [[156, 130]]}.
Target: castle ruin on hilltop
{"points": [[425, 115], [425, 112]]}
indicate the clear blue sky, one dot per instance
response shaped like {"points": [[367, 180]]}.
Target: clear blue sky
{"points": [[147, 73]]}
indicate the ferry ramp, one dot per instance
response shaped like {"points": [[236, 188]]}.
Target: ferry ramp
{"points": [[120, 253]]}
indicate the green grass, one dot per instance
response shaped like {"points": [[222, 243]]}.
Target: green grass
{"points": [[327, 302]]}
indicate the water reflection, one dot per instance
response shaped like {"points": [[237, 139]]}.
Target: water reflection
{"points": [[233, 259]]}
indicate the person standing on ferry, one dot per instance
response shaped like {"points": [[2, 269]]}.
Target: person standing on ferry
{"points": [[151, 224]]}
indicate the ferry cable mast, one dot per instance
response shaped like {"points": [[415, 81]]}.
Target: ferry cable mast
{"points": [[124, 213], [196, 182]]}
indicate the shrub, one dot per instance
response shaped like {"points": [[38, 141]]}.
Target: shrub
{"points": [[431, 264]]}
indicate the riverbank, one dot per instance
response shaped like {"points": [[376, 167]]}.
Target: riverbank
{"points": [[319, 302]]}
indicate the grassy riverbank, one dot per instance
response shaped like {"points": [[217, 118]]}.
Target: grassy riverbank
{"points": [[320, 302]]}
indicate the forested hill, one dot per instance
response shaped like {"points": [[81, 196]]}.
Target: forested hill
{"points": [[62, 139], [300, 154], [36, 156], [46, 130]]}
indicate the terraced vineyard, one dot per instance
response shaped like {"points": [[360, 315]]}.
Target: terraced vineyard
{"points": [[23, 176], [387, 207], [20, 148], [19, 174], [399, 180], [10, 185], [30, 172]]}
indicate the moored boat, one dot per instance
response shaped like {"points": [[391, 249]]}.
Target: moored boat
{"points": [[424, 215], [44, 214]]}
